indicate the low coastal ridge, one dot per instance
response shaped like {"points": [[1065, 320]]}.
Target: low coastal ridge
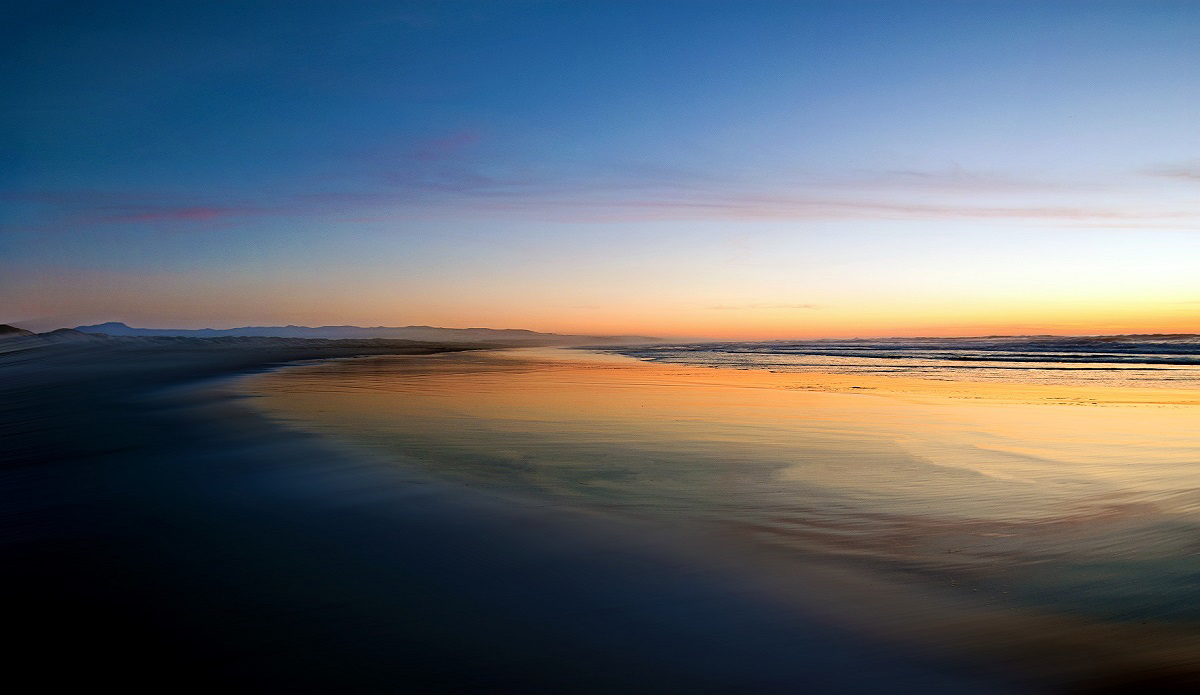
{"points": [[507, 336]]}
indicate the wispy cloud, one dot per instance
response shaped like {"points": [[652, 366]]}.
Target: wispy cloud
{"points": [[434, 178], [1187, 171], [83, 198], [742, 307], [443, 171], [437, 165], [1143, 224], [71, 209], [445, 180], [803, 207], [183, 213], [950, 179], [445, 147], [489, 196]]}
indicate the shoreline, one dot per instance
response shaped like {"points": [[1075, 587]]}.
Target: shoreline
{"points": [[154, 528]]}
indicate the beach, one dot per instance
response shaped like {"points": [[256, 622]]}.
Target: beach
{"points": [[1043, 526], [159, 533]]}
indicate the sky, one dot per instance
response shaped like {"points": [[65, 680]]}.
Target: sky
{"points": [[701, 169]]}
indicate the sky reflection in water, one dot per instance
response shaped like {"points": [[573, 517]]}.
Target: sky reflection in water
{"points": [[1078, 500]]}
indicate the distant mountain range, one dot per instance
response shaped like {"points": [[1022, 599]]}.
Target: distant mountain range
{"points": [[422, 333]]}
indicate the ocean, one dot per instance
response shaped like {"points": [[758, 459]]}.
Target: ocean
{"points": [[1165, 361], [1045, 474]]}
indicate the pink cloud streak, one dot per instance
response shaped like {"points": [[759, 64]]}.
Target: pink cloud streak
{"points": [[429, 186]]}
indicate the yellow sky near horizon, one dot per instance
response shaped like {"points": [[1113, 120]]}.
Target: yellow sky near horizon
{"points": [[194, 301]]}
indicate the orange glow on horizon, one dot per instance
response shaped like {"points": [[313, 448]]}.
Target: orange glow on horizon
{"points": [[192, 302]]}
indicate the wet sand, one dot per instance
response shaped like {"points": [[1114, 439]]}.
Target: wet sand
{"points": [[994, 487], [159, 535]]}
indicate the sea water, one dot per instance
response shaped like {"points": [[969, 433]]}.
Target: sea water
{"points": [[1061, 475]]}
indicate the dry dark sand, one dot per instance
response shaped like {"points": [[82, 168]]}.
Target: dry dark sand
{"points": [[161, 536]]}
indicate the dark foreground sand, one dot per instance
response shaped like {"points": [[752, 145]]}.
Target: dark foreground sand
{"points": [[160, 536]]}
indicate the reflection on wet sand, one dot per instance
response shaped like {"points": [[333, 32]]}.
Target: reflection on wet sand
{"points": [[1079, 505]]}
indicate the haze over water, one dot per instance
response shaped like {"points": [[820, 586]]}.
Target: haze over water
{"points": [[1072, 495]]}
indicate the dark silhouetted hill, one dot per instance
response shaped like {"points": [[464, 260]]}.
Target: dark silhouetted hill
{"points": [[7, 331], [70, 335]]}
